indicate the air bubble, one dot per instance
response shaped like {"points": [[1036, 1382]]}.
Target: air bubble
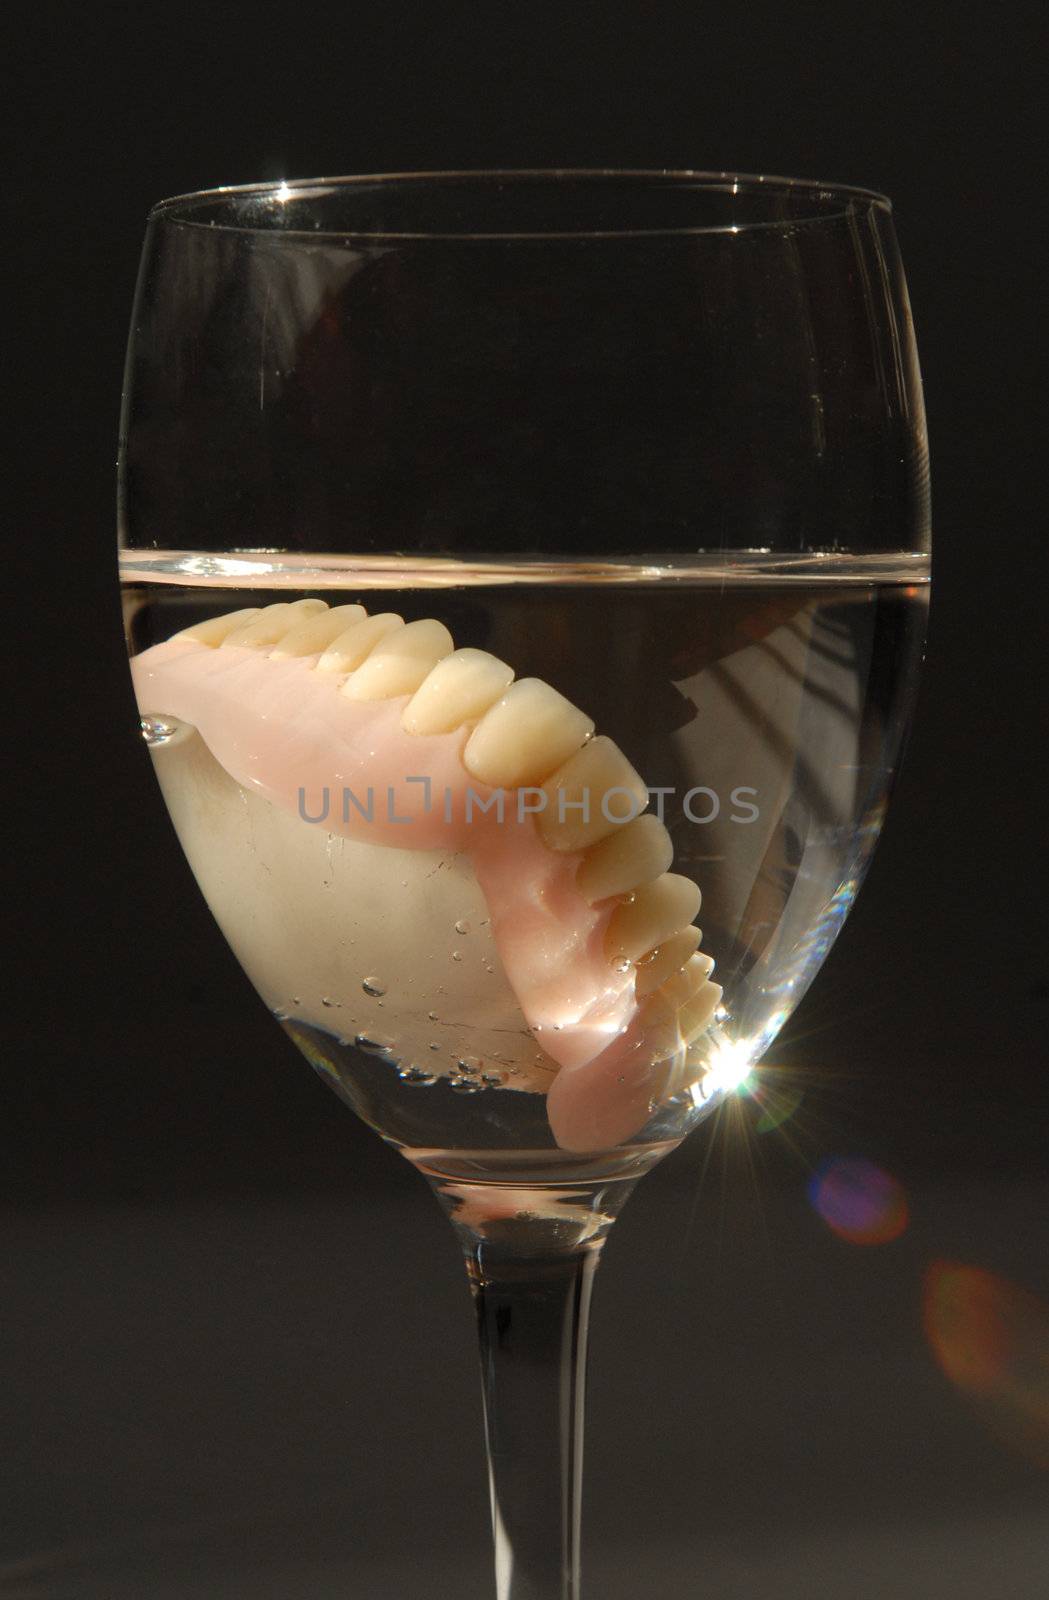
{"points": [[326, 1002], [493, 1079], [374, 986], [462, 927], [621, 964], [457, 955], [464, 1086], [156, 731], [372, 1046], [469, 1064], [416, 1075], [434, 1045], [433, 1016]]}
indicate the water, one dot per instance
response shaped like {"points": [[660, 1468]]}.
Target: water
{"points": [[762, 700]]}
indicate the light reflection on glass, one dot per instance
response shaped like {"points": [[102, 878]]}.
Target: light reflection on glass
{"points": [[730, 1064]]}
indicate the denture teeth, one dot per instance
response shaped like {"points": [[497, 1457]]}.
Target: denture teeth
{"points": [[316, 633], [655, 912], [399, 663], [216, 629], [680, 988], [600, 778], [459, 689], [634, 853], [666, 959], [272, 623], [696, 1014], [669, 1027], [659, 1019], [350, 648], [529, 732]]}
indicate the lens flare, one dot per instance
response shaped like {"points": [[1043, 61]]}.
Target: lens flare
{"points": [[859, 1201], [778, 1102], [730, 1066], [992, 1340]]}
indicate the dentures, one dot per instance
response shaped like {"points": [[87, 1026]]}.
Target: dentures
{"points": [[438, 780]]}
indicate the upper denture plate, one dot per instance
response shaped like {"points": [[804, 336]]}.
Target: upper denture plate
{"points": [[273, 622], [633, 853], [594, 794], [316, 633], [529, 732], [400, 662], [216, 629], [356, 643], [666, 959], [656, 911], [459, 689]]}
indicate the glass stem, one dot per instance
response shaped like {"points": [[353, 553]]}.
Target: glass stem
{"points": [[532, 1317]]}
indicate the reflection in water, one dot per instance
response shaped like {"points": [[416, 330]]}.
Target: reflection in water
{"points": [[859, 1201], [799, 709], [991, 1338]]}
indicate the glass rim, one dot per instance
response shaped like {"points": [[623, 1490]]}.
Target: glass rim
{"points": [[831, 199]]}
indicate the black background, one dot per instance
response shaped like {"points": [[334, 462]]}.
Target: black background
{"points": [[146, 1089]]}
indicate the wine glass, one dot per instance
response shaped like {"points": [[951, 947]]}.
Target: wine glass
{"points": [[517, 566]]}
